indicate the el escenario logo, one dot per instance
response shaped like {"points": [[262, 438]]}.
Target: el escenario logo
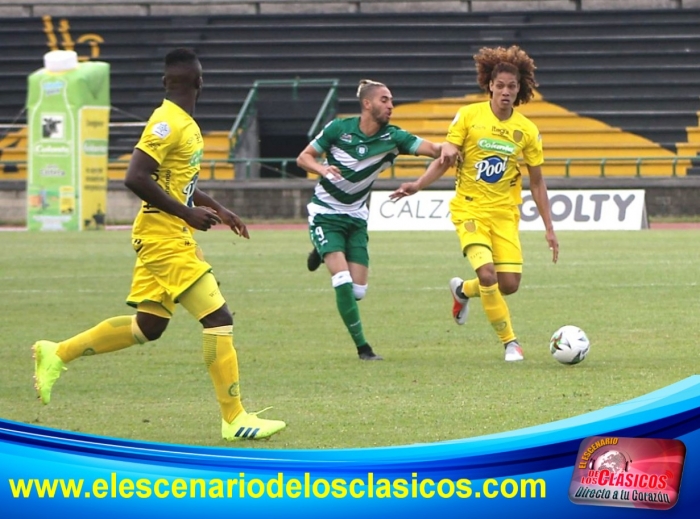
{"points": [[628, 472]]}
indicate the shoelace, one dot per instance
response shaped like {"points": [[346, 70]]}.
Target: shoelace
{"points": [[256, 413]]}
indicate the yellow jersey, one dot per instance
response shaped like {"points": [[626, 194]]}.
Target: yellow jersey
{"points": [[173, 139], [489, 174]]}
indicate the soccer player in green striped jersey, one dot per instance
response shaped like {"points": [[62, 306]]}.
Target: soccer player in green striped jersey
{"points": [[357, 150]]}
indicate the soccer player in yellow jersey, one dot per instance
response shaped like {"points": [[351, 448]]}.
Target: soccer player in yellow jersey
{"points": [[170, 268], [491, 135]]}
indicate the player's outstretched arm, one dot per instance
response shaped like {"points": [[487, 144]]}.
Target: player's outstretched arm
{"points": [[140, 179], [445, 152], [538, 188], [435, 170]]}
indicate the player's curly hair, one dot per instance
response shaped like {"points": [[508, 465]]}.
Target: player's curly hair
{"points": [[491, 61]]}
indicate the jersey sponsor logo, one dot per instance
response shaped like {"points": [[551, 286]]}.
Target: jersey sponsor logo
{"points": [[196, 137], [491, 169], [496, 145], [346, 137], [495, 130], [385, 137], [161, 130], [196, 158]]}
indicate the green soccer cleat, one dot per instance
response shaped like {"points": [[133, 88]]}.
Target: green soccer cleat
{"points": [[47, 368], [247, 426]]}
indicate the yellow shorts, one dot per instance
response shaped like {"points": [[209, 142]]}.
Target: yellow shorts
{"points": [[164, 269], [495, 229]]}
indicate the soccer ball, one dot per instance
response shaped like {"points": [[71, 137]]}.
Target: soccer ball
{"points": [[569, 345]]}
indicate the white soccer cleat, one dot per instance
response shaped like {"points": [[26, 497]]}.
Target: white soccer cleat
{"points": [[460, 308], [514, 352]]}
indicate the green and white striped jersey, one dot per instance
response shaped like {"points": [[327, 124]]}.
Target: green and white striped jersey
{"points": [[360, 160]]}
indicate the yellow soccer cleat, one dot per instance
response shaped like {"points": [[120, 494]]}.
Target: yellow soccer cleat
{"points": [[47, 368], [247, 426]]}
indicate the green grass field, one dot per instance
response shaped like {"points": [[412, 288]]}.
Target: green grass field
{"points": [[634, 293]]}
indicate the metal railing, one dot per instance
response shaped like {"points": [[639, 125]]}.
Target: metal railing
{"points": [[239, 138], [328, 109], [637, 167], [243, 119], [250, 106]]}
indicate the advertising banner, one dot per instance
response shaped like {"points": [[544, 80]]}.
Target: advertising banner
{"points": [[630, 455], [68, 132], [572, 210]]}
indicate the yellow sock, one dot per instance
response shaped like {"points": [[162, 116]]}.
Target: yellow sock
{"points": [[115, 333], [222, 363], [497, 312], [470, 288]]}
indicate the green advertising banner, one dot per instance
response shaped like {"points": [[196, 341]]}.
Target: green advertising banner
{"points": [[68, 138]]}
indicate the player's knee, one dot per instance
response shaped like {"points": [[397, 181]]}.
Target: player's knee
{"points": [[220, 317], [151, 326], [487, 278], [341, 278], [508, 287], [359, 291]]}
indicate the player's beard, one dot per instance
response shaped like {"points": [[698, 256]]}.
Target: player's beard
{"points": [[379, 116]]}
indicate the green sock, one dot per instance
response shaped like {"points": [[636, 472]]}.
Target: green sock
{"points": [[350, 312]]}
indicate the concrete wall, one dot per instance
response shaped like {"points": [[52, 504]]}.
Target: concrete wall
{"points": [[21, 8], [287, 199]]}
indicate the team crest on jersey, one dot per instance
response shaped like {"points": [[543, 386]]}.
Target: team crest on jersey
{"points": [[362, 150], [491, 169], [517, 135], [346, 137], [161, 130]]}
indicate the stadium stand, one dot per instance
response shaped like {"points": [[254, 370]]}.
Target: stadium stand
{"points": [[611, 86]]}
